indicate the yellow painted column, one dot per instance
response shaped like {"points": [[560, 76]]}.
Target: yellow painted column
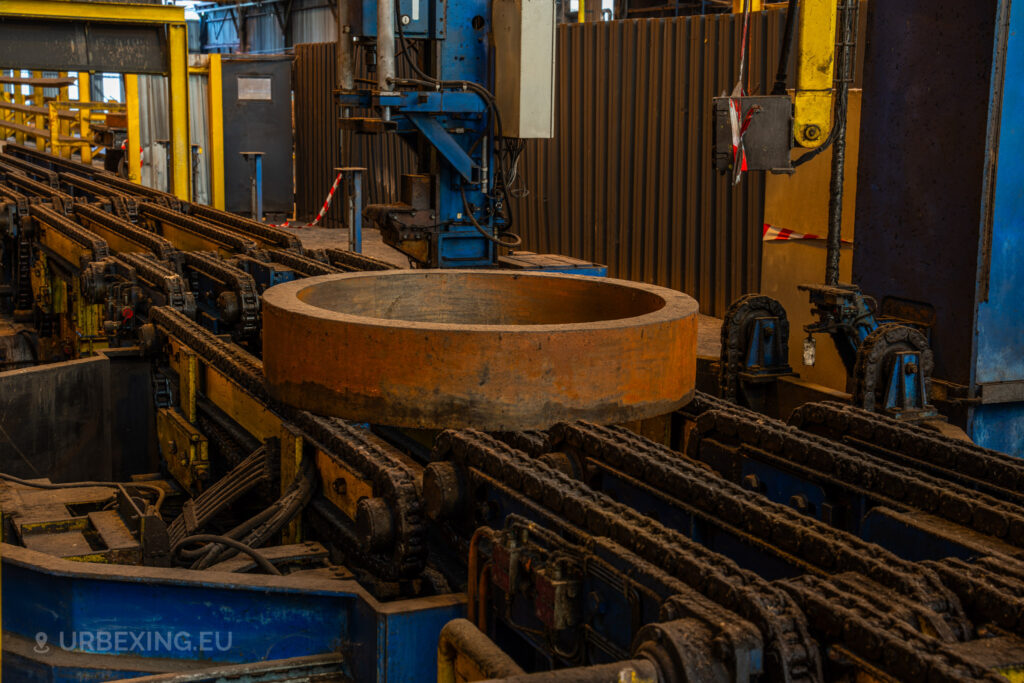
{"points": [[56, 147], [581, 14], [216, 150], [178, 81], [65, 125], [40, 119], [131, 98], [84, 92], [19, 116], [812, 103], [755, 5]]}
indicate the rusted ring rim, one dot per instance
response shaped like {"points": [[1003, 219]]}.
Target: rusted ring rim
{"points": [[677, 305]]}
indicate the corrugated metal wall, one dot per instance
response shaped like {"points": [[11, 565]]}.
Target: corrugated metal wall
{"points": [[154, 114], [627, 180], [317, 142], [199, 133]]}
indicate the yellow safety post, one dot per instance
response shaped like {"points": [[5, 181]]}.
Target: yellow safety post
{"points": [[19, 116], [131, 97], [178, 81], [812, 103], [216, 148], [581, 14], [40, 119], [84, 95]]}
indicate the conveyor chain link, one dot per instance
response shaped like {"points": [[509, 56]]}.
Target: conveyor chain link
{"points": [[264, 233], [241, 282], [989, 590], [70, 229], [18, 199], [996, 473], [301, 264], [242, 245], [792, 653], [159, 275], [41, 189], [847, 616], [826, 548], [229, 359], [125, 203], [370, 457], [160, 247], [344, 259], [851, 468], [377, 461]]}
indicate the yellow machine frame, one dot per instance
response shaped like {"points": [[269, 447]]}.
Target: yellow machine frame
{"points": [[177, 68]]}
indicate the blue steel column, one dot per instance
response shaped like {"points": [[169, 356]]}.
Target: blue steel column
{"points": [[352, 185], [255, 184]]}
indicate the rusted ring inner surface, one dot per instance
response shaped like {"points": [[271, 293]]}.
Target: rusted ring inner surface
{"points": [[468, 298]]}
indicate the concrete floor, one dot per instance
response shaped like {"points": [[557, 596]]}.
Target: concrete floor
{"points": [[373, 245]]}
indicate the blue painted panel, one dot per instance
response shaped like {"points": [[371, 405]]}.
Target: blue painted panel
{"points": [[1000, 327], [1000, 427], [411, 640], [464, 49], [254, 625], [245, 620]]}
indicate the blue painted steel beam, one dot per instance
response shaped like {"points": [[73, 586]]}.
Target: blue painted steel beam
{"points": [[446, 145]]}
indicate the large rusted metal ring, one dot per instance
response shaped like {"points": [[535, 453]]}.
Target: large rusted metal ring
{"points": [[487, 349]]}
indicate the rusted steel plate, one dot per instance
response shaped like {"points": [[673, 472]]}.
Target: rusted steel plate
{"points": [[484, 349]]}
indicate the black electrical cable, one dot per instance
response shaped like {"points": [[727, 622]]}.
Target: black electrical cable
{"points": [[788, 38], [160, 492], [242, 529], [266, 523], [492, 106], [483, 231], [262, 561]]}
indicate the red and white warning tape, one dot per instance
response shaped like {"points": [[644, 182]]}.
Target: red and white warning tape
{"points": [[772, 233], [327, 202]]}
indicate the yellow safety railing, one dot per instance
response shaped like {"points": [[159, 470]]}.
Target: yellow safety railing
{"points": [[57, 125]]}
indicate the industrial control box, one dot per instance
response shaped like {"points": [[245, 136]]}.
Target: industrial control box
{"points": [[524, 41]]}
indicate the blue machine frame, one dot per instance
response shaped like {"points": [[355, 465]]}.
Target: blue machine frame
{"points": [[455, 122]]}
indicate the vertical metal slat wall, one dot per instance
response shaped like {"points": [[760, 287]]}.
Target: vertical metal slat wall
{"points": [[627, 179]]}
